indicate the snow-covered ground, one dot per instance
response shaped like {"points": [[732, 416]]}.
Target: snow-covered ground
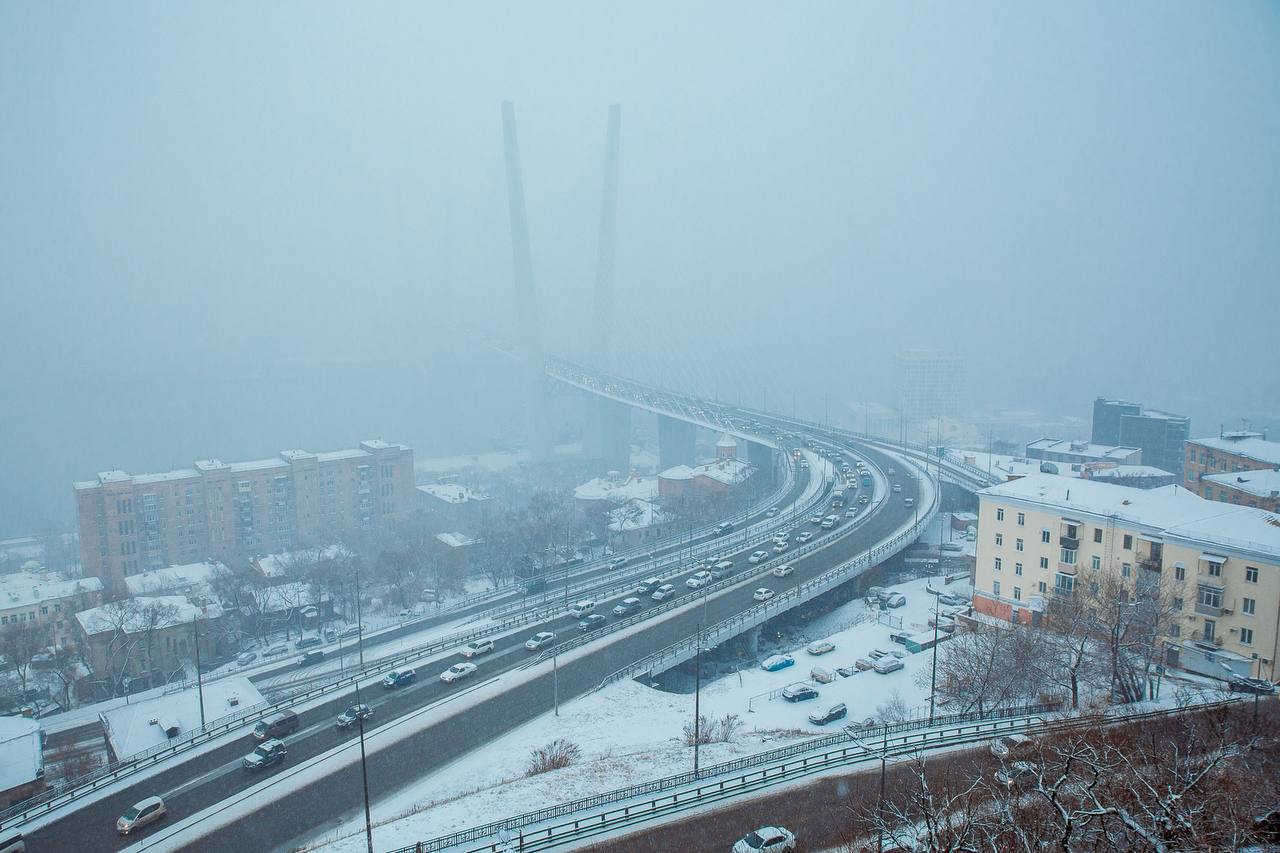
{"points": [[629, 733]]}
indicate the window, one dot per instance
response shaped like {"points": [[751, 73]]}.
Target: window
{"points": [[1095, 562], [1097, 534], [1128, 542], [1067, 556], [1042, 586], [1126, 570], [1044, 535], [1175, 630], [1018, 545], [1064, 584], [998, 564], [1179, 572], [1246, 636], [999, 538], [1017, 569], [1022, 519], [1250, 574], [1044, 564], [1209, 597], [1215, 570], [44, 611], [1017, 593], [999, 513], [1247, 606], [995, 587], [1177, 602]]}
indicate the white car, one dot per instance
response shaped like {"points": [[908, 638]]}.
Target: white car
{"points": [[781, 548], [457, 671], [783, 570], [850, 513], [663, 592], [805, 537], [698, 579], [816, 519], [617, 562], [896, 488], [141, 814], [758, 556], [540, 640], [773, 511], [763, 594], [477, 647], [767, 839], [820, 647]]}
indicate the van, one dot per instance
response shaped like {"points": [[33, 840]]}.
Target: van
{"points": [[582, 608], [276, 726]]}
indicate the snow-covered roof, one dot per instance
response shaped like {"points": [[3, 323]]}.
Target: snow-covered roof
{"points": [[1250, 445], [335, 455], [679, 472], [635, 515], [186, 579], [1083, 449], [617, 490], [726, 440], [20, 589], [135, 614], [379, 444], [728, 471], [456, 540], [166, 477], [1263, 484], [1009, 467], [1172, 510], [21, 752], [453, 493], [136, 727], [258, 465], [276, 565]]}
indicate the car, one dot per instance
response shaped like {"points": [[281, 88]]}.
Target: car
{"points": [[350, 631], [246, 658], [773, 511], [1257, 686], [311, 657], [801, 691], [582, 608], [1016, 774], [276, 726], [781, 537], [264, 755], [766, 839], [804, 464], [592, 622], [723, 527], [477, 647], [783, 570], [275, 651], [888, 664], [815, 519], [953, 547], [724, 566], [820, 647], [698, 579], [895, 600], [617, 562], [773, 663], [353, 715], [540, 640], [626, 607], [758, 556], [851, 513], [534, 586], [1003, 747], [804, 537], [399, 678], [763, 594], [663, 592], [908, 501], [835, 712], [781, 548], [458, 671], [648, 585], [952, 599], [899, 637], [864, 500], [891, 472], [140, 814], [308, 643], [897, 487]]}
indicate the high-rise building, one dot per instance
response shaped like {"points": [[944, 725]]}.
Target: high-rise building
{"points": [[1159, 434], [929, 385], [235, 511]]}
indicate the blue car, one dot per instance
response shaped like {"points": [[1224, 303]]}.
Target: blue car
{"points": [[398, 678], [777, 662]]}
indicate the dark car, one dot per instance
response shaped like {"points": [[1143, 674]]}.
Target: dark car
{"points": [[354, 714], [626, 607], [799, 692], [276, 726], [308, 643], [311, 657], [398, 678], [534, 585], [267, 753], [1260, 686], [723, 527], [592, 622], [835, 712]]}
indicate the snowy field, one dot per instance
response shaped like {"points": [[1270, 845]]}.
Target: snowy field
{"points": [[629, 733]]}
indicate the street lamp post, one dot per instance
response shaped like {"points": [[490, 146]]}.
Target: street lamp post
{"points": [[364, 775], [555, 680], [697, 701], [360, 636], [195, 628]]}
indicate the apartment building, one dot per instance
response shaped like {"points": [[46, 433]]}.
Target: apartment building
{"points": [[1082, 452], [1226, 453], [47, 599], [1159, 434], [1045, 535], [1259, 489], [232, 512], [929, 384]]}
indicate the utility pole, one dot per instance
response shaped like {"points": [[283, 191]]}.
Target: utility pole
{"points": [[555, 680], [364, 774], [697, 703], [884, 755], [195, 628], [360, 645]]}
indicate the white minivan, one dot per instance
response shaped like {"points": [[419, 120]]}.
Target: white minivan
{"points": [[582, 608]]}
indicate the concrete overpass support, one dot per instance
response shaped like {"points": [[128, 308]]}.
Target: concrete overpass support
{"points": [[611, 428], [675, 442], [761, 456]]}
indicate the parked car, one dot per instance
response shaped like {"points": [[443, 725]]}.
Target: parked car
{"points": [[763, 594], [888, 664], [477, 647], [648, 585], [766, 839], [458, 671], [540, 640], [276, 726], [899, 637], [1010, 745], [275, 651], [1260, 686], [142, 813], [1016, 774], [951, 546], [835, 712], [353, 715], [582, 608], [311, 657], [821, 675], [626, 607], [246, 658], [698, 579], [773, 663], [591, 623], [783, 570], [952, 599], [801, 691], [758, 557], [663, 592], [895, 599], [399, 678], [308, 643], [265, 754], [820, 647]]}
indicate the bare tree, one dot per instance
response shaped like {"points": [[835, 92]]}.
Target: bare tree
{"points": [[20, 643]]}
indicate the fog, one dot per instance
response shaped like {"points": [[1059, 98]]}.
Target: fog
{"points": [[229, 229]]}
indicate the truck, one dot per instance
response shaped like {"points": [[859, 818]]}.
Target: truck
{"points": [[866, 479]]}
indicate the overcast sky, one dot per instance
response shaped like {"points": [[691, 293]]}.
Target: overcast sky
{"points": [[1079, 200]]}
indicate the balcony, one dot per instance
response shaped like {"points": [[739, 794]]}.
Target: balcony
{"points": [[1151, 564], [1071, 543], [1068, 568], [1208, 610]]}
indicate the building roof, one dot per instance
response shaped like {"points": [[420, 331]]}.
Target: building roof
{"points": [[1250, 445], [728, 471], [187, 579], [617, 490], [134, 614], [456, 540], [335, 455], [1264, 483], [137, 726], [258, 465], [1173, 510], [277, 565], [1082, 448], [1010, 467], [452, 493], [167, 476], [21, 752], [24, 588], [679, 472], [726, 440]]}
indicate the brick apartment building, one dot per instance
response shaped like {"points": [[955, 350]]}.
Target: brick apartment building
{"points": [[235, 511], [1215, 468]]}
